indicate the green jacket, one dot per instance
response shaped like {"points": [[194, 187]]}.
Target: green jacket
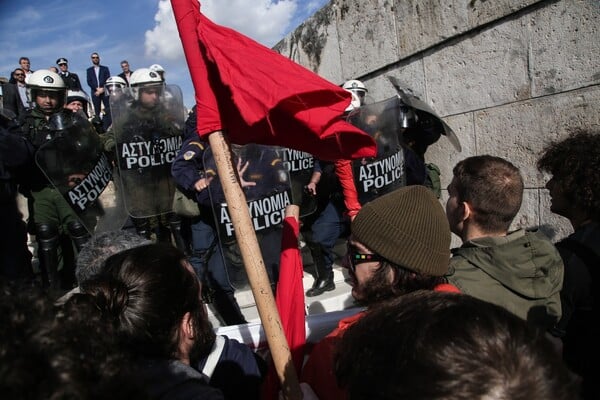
{"points": [[522, 272]]}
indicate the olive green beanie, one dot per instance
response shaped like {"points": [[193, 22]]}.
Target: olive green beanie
{"points": [[407, 227]]}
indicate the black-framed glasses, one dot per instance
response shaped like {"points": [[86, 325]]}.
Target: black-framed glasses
{"points": [[95, 57], [19, 74], [355, 257]]}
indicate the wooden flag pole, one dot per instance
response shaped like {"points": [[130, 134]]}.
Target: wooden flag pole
{"points": [[255, 266]]}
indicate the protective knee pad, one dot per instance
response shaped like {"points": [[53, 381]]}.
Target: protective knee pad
{"points": [[47, 236], [78, 233]]}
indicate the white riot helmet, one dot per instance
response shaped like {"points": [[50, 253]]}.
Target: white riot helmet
{"points": [[144, 77], [158, 68], [79, 95], [46, 80], [357, 87], [354, 103], [115, 82]]}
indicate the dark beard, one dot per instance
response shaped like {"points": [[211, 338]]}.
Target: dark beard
{"points": [[205, 338]]}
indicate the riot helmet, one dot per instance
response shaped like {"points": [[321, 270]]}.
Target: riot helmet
{"points": [[50, 85], [144, 81], [115, 83], [78, 95], [159, 69], [356, 87], [354, 103], [77, 100]]}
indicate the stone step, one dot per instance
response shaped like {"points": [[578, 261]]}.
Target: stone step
{"points": [[338, 299]]}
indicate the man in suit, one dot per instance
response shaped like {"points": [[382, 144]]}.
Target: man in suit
{"points": [[11, 100], [71, 79], [96, 78]]}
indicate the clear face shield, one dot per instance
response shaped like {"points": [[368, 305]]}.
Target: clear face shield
{"points": [[114, 89]]}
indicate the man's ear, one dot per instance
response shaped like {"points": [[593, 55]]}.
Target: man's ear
{"points": [[466, 211], [187, 327]]}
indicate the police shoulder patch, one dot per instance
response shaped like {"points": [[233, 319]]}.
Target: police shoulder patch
{"points": [[188, 155]]}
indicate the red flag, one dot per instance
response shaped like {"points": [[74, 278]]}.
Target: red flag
{"points": [[260, 96], [290, 302], [290, 292]]}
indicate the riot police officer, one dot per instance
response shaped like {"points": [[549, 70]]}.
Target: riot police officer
{"points": [[54, 218], [357, 87], [148, 137]]}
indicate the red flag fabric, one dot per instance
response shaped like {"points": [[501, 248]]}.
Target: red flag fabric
{"points": [[257, 95], [290, 292], [290, 303]]}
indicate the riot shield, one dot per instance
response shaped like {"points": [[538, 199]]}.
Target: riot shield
{"points": [[415, 112], [75, 164], [379, 175], [148, 135], [300, 167], [266, 184]]}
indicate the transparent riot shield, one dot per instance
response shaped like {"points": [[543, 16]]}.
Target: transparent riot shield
{"points": [[148, 134], [75, 164], [416, 113], [300, 166], [379, 175], [266, 184]]}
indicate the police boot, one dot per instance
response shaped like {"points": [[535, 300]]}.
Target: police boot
{"points": [[228, 308], [47, 237], [324, 277], [321, 285], [175, 226], [78, 233]]}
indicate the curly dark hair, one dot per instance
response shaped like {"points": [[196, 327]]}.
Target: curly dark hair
{"points": [[575, 162]]}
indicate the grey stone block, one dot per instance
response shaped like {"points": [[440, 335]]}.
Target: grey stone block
{"points": [[565, 46], [481, 71], [367, 35], [520, 131], [314, 44], [423, 24]]}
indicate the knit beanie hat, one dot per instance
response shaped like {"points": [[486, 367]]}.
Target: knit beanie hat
{"points": [[407, 227]]}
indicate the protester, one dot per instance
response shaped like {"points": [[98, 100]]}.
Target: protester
{"points": [[69, 353], [399, 243], [521, 270], [101, 246], [574, 189], [228, 361], [153, 297], [432, 345]]}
